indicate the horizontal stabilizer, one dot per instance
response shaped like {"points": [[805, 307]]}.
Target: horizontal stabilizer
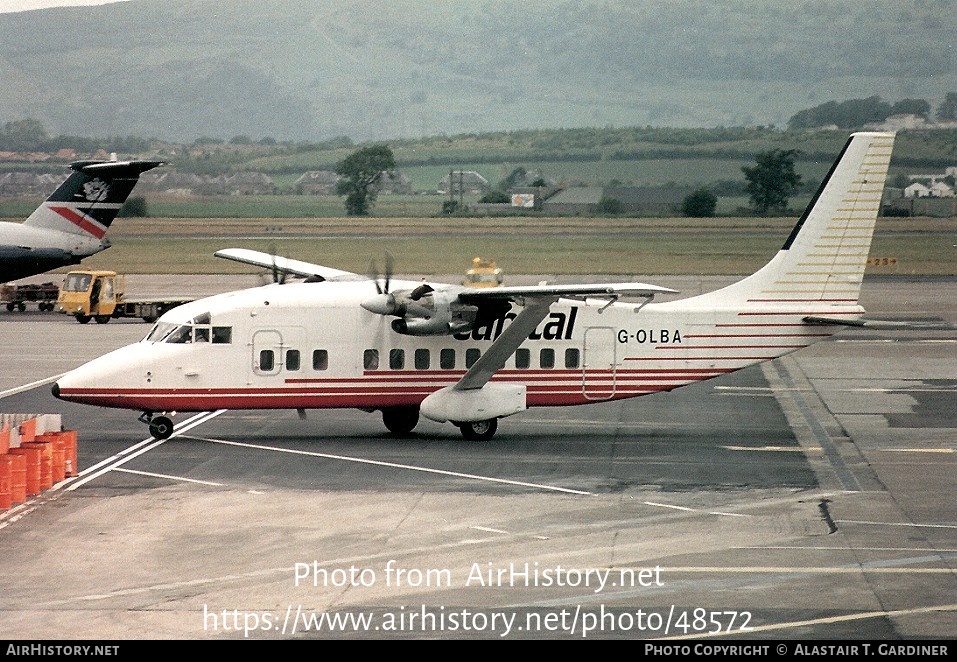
{"points": [[886, 325], [832, 321]]}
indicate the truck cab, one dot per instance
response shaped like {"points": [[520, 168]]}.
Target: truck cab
{"points": [[483, 273], [90, 295]]}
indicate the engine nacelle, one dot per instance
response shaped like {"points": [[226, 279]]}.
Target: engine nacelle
{"points": [[493, 400], [422, 326]]}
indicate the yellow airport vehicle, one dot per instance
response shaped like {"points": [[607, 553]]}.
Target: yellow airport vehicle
{"points": [[99, 295], [483, 273]]}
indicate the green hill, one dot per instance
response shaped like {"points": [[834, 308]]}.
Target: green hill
{"points": [[301, 70]]}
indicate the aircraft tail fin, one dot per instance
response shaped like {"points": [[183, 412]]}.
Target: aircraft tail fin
{"points": [[822, 262], [90, 198]]}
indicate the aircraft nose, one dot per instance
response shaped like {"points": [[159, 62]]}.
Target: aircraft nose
{"points": [[55, 389]]}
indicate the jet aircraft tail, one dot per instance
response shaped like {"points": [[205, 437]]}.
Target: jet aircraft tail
{"points": [[822, 262], [90, 198]]}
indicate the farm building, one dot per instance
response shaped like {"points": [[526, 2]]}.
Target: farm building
{"points": [[463, 181]]}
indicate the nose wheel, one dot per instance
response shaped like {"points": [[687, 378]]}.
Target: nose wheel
{"points": [[161, 427]]}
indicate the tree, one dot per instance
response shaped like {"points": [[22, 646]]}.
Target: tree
{"points": [[358, 172], [700, 204], [947, 110], [610, 206], [773, 180], [22, 135]]}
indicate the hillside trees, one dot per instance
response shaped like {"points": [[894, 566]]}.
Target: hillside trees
{"points": [[947, 110], [855, 113], [358, 173], [772, 181]]}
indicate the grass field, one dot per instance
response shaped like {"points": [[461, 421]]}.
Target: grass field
{"points": [[719, 246]]}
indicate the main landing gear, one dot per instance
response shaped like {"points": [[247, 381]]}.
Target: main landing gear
{"points": [[479, 430], [161, 427], [400, 421]]}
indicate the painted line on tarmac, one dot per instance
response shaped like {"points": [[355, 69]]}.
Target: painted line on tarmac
{"points": [[915, 525], [168, 477], [133, 451], [109, 464], [693, 510], [394, 465], [30, 386]]}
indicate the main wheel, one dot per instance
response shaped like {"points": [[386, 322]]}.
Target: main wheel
{"points": [[400, 420], [479, 430], [161, 427]]}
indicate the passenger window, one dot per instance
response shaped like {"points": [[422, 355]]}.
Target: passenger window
{"points": [[471, 356], [222, 335], [447, 359], [320, 359], [546, 359], [370, 359], [572, 358], [523, 358], [292, 359], [267, 360], [422, 359], [397, 359]]}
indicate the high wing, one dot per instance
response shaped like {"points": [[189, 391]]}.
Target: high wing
{"points": [[611, 290], [283, 265], [537, 302]]}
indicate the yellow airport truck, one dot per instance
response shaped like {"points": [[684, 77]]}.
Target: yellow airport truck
{"points": [[483, 273], [99, 295]]}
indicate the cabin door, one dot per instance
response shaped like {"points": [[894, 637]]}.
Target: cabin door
{"points": [[268, 349], [599, 363]]}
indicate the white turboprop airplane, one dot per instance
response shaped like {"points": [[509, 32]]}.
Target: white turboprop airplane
{"points": [[71, 224], [473, 356]]}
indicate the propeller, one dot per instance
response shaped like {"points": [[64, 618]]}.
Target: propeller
{"points": [[384, 302], [278, 277]]}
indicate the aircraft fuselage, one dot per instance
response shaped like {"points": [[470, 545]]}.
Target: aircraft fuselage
{"points": [[310, 346]]}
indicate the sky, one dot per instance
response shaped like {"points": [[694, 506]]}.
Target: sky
{"points": [[25, 5]]}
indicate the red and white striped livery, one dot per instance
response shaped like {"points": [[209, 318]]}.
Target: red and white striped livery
{"points": [[472, 356]]}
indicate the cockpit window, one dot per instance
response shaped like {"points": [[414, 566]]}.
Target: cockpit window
{"points": [[160, 331], [166, 332], [181, 334]]}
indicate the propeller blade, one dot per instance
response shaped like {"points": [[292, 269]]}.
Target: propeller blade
{"points": [[389, 268], [374, 276]]}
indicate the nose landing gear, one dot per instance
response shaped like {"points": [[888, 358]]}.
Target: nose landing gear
{"points": [[161, 427]]}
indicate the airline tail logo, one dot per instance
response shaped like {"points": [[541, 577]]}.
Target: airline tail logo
{"points": [[96, 190], [83, 221]]}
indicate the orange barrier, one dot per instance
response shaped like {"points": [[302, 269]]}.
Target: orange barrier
{"points": [[6, 482], [18, 486], [28, 430], [32, 458], [46, 461], [70, 465]]}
